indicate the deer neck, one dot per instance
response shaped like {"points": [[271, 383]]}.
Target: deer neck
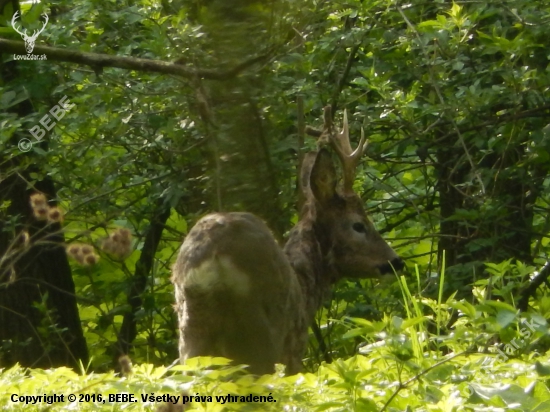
{"points": [[307, 250]]}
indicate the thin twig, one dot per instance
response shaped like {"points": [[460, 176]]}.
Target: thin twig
{"points": [[343, 78]]}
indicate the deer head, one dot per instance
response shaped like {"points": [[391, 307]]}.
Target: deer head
{"points": [[29, 40], [240, 296]]}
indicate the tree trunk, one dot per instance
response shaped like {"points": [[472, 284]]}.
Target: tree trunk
{"points": [[39, 320]]}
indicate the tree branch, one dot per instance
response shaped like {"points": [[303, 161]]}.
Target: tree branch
{"points": [[128, 330], [530, 290], [96, 61]]}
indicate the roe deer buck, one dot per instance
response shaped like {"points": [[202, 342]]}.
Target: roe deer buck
{"points": [[240, 296]]}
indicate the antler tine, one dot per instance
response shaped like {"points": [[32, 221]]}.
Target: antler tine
{"points": [[328, 128], [348, 157], [36, 32], [13, 19], [46, 20]]}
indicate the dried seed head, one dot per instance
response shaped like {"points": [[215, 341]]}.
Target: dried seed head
{"points": [[124, 233], [90, 260], [55, 215], [125, 365], [38, 199], [40, 212], [118, 243], [73, 250], [82, 253], [107, 245]]}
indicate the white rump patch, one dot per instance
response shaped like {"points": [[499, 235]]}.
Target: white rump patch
{"points": [[219, 272]]}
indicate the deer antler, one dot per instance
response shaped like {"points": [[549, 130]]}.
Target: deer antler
{"points": [[13, 19], [37, 32], [341, 145], [29, 40]]}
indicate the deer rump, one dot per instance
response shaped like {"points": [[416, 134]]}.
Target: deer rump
{"points": [[240, 296], [236, 293]]}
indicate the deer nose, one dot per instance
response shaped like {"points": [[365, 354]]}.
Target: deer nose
{"points": [[395, 264]]}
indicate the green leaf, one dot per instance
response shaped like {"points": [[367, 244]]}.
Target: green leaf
{"points": [[542, 370], [506, 317]]}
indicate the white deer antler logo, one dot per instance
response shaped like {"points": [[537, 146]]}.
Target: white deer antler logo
{"points": [[29, 40]]}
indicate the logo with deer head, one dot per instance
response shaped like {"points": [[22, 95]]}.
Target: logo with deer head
{"points": [[29, 40]]}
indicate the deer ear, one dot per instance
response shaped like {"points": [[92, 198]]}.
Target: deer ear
{"points": [[323, 178]]}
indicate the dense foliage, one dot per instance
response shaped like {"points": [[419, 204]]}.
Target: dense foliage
{"points": [[407, 372], [454, 100]]}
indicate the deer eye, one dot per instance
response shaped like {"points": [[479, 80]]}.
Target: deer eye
{"points": [[359, 227]]}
